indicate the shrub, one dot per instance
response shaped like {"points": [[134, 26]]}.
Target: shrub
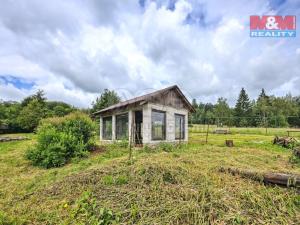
{"points": [[61, 138]]}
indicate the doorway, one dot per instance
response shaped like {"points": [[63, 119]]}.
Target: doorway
{"points": [[138, 127]]}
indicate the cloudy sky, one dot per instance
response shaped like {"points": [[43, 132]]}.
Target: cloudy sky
{"points": [[73, 50]]}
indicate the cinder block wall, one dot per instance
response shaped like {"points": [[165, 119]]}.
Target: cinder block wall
{"points": [[170, 122], [147, 126]]}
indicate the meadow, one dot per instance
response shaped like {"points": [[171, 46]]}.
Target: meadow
{"points": [[165, 185]]}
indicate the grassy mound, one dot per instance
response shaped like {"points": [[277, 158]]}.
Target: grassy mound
{"points": [[168, 189]]}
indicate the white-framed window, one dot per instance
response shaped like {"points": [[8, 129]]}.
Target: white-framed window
{"points": [[107, 128], [158, 125], [122, 126], [179, 126]]}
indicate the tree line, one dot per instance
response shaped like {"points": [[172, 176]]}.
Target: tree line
{"points": [[265, 111], [24, 116]]}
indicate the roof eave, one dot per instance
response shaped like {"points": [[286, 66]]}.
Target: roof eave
{"points": [[103, 111]]}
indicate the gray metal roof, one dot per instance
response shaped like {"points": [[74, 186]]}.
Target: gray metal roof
{"points": [[145, 98]]}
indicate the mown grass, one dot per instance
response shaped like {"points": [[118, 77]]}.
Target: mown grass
{"points": [[180, 186], [270, 131]]}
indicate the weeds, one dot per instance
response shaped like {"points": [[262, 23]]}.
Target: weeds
{"points": [[7, 220], [294, 160], [121, 144], [163, 147], [88, 212], [179, 184], [118, 180]]}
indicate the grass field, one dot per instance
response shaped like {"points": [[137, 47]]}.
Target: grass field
{"points": [[178, 186], [201, 128]]}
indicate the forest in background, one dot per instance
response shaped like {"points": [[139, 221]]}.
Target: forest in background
{"points": [[265, 111], [24, 116]]}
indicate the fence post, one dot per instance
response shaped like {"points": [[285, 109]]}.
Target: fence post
{"points": [[266, 124], [132, 134], [207, 133]]}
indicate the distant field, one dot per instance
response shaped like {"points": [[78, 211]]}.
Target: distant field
{"points": [[201, 128], [181, 186]]}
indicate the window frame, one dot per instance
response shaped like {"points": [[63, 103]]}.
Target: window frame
{"points": [[183, 127], [116, 124], [164, 126], [104, 137]]}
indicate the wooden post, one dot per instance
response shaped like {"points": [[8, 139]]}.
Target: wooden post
{"points": [[207, 133], [229, 143], [288, 180], [131, 136], [266, 124]]}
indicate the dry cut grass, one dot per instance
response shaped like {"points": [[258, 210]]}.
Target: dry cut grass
{"points": [[182, 186]]}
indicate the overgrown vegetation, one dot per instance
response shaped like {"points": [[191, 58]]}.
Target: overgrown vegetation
{"points": [[7, 220], [175, 184], [88, 212], [61, 138]]}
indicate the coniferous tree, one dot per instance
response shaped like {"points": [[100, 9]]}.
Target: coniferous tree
{"points": [[262, 108], [193, 118], [106, 99], [243, 109], [39, 96], [194, 103]]}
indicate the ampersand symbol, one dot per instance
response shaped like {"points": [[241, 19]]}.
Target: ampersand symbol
{"points": [[271, 23]]}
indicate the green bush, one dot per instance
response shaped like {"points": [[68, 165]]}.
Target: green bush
{"points": [[61, 138]]}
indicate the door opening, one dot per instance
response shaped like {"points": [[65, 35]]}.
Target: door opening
{"points": [[138, 127]]}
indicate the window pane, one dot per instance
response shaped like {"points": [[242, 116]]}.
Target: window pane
{"points": [[107, 128], [179, 126], [122, 126], [158, 125]]}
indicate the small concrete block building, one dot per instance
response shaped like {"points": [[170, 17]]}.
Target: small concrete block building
{"points": [[161, 116]]}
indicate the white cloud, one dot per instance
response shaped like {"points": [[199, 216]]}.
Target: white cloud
{"points": [[10, 92], [224, 41]]}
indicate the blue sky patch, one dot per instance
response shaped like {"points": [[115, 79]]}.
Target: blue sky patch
{"points": [[276, 3], [169, 4], [142, 3], [16, 81]]}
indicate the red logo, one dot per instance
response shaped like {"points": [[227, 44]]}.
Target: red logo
{"points": [[273, 22], [273, 26]]}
